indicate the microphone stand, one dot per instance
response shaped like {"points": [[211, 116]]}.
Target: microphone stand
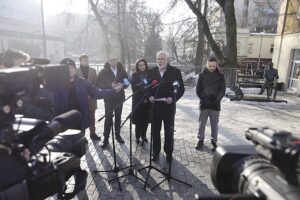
{"points": [[131, 166], [168, 175], [150, 166], [116, 169]]}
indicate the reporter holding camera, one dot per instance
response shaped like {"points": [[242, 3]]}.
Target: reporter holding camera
{"points": [[76, 97]]}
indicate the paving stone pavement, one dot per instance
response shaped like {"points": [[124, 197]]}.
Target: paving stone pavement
{"points": [[188, 164]]}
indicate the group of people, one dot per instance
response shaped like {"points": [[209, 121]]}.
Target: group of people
{"points": [[155, 104]]}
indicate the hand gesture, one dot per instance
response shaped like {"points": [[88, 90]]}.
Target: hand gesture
{"points": [[169, 100], [151, 99]]}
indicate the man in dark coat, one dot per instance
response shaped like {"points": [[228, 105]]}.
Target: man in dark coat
{"points": [[270, 75], [113, 73], [164, 103], [210, 90]]}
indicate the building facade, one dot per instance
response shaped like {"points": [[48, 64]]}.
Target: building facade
{"points": [[286, 55]]}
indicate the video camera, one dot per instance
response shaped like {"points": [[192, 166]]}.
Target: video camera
{"points": [[55, 149], [270, 170]]}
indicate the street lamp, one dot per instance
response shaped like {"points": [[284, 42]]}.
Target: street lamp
{"points": [[261, 39]]}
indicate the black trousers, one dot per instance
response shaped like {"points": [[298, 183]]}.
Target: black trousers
{"points": [[109, 110], [160, 116], [141, 129]]}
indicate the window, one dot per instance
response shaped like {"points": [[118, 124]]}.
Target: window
{"points": [[272, 48], [250, 47]]}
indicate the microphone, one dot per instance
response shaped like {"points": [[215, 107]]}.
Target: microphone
{"points": [[175, 86], [126, 82], [144, 82], [153, 84], [64, 122]]}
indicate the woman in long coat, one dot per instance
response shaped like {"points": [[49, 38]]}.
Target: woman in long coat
{"points": [[140, 107]]}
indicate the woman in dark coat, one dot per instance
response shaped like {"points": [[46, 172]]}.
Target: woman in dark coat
{"points": [[140, 115]]}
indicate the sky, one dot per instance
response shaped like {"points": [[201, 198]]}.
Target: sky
{"points": [[52, 7]]}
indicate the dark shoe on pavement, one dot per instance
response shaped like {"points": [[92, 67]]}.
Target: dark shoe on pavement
{"points": [[199, 145], [137, 141], [94, 136], [169, 158], [155, 158], [120, 139], [214, 144], [104, 144]]}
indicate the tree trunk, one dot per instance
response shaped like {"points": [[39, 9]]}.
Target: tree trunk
{"points": [[102, 25], [213, 45], [230, 23]]}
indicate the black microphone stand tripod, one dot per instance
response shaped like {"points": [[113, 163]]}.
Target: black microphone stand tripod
{"points": [[168, 175], [116, 169], [150, 166], [132, 166]]}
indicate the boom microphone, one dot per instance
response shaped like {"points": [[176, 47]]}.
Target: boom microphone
{"points": [[144, 82], [126, 82], [153, 84]]}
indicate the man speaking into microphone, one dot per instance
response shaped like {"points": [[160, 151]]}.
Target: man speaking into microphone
{"points": [[163, 99]]}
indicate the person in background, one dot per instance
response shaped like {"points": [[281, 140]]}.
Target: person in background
{"points": [[90, 74], [210, 90], [163, 99], [140, 115], [270, 76], [111, 75], [13, 57]]}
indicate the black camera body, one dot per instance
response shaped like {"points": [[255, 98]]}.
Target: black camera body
{"points": [[55, 148], [268, 170]]}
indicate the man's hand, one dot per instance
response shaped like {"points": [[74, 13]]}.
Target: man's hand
{"points": [[169, 100], [151, 99], [117, 86]]}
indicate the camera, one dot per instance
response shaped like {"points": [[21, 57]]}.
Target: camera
{"points": [[55, 148], [267, 170]]}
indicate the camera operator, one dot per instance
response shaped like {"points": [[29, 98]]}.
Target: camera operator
{"points": [[39, 106], [77, 95]]}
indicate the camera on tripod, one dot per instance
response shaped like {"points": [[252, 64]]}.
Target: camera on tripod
{"points": [[268, 170], [55, 148]]}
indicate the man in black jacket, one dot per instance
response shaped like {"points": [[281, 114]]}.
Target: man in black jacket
{"points": [[164, 103], [210, 90], [112, 74]]}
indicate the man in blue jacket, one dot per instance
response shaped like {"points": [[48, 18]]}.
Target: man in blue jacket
{"points": [[77, 95]]}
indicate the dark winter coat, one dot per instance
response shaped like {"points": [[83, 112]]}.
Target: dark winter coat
{"points": [[211, 89], [141, 112], [83, 88], [165, 87], [271, 74], [105, 79]]}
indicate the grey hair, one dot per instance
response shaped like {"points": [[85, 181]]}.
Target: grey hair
{"points": [[163, 52]]}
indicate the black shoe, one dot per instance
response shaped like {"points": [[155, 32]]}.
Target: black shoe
{"points": [[104, 144], [169, 158], [119, 139], [94, 136], [199, 145], [155, 158], [145, 139], [214, 144], [137, 141]]}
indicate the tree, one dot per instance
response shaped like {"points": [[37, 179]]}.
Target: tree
{"points": [[230, 25]]}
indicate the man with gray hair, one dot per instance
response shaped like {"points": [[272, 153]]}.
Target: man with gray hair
{"points": [[163, 96]]}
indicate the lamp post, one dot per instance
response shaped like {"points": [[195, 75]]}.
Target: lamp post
{"points": [[43, 31], [261, 39]]}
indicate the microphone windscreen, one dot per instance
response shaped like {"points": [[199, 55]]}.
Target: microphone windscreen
{"points": [[126, 81]]}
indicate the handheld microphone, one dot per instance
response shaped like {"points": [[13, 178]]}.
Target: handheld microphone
{"points": [[144, 82], [126, 82], [175, 86]]}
